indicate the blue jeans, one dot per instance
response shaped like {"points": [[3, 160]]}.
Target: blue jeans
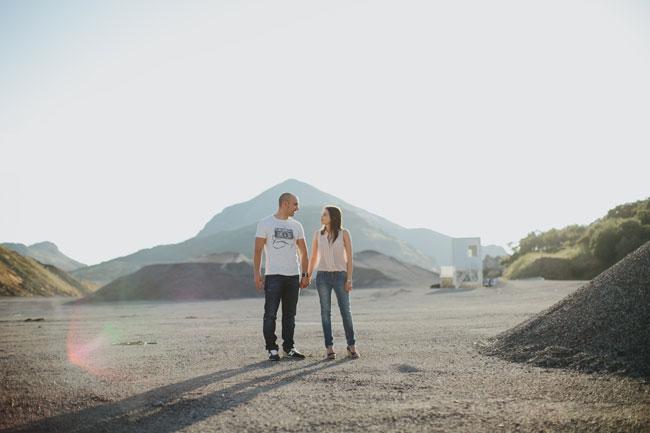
{"points": [[280, 289], [325, 282]]}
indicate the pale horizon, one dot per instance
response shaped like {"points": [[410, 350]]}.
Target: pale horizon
{"points": [[126, 126]]}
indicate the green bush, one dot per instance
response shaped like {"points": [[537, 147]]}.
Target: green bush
{"points": [[582, 251], [551, 241], [644, 217], [632, 235], [615, 239], [603, 242], [551, 268]]}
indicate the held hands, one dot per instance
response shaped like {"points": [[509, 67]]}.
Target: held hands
{"points": [[259, 282], [305, 281], [348, 286]]}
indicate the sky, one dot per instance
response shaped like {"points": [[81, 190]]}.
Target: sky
{"points": [[125, 125]]}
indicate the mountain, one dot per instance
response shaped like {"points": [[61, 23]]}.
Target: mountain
{"points": [[233, 230], [47, 253], [250, 212], [435, 246], [24, 276], [493, 251], [364, 236], [232, 277]]}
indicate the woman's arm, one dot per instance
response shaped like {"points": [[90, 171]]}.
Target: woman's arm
{"points": [[347, 243], [313, 260]]}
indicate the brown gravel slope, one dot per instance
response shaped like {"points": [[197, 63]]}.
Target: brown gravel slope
{"points": [[605, 325], [24, 276]]}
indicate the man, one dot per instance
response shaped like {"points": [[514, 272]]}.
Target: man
{"points": [[283, 240]]}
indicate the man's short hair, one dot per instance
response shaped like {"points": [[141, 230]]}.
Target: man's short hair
{"points": [[286, 196]]}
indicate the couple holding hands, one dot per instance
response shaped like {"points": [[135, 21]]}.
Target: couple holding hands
{"points": [[288, 269]]}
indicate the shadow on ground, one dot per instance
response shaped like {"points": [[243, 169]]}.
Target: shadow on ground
{"points": [[442, 291], [169, 408]]}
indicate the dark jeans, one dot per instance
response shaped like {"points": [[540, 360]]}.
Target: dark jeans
{"points": [[285, 289], [325, 283]]}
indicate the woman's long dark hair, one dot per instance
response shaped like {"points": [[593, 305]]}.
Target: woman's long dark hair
{"points": [[335, 222]]}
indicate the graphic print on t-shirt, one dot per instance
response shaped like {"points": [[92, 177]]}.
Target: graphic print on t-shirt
{"points": [[282, 237]]}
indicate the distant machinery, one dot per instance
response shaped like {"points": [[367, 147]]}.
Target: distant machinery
{"points": [[463, 262], [448, 278]]}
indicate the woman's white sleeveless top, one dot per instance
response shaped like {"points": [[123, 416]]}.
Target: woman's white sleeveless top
{"points": [[333, 257]]}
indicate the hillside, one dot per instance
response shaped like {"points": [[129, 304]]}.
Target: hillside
{"points": [[493, 251], [580, 252], [47, 253], [230, 275], [24, 276]]}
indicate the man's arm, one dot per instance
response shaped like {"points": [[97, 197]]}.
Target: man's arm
{"points": [[304, 262], [257, 263]]}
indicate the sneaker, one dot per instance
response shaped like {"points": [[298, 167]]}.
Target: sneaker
{"points": [[274, 355], [293, 353]]}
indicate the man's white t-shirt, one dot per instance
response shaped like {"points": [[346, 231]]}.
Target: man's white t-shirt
{"points": [[281, 252]]}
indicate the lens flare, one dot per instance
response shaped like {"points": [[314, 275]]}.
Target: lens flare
{"points": [[87, 350]]}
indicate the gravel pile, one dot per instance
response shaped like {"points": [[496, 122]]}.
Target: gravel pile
{"points": [[179, 282], [602, 327]]}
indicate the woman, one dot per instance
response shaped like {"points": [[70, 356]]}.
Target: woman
{"points": [[332, 257]]}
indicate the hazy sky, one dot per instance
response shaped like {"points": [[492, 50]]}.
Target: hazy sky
{"points": [[124, 125]]}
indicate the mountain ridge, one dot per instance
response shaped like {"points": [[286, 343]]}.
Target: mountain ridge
{"points": [[45, 252], [240, 240], [428, 241], [233, 229]]}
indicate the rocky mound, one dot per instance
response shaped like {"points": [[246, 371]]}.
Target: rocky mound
{"points": [[603, 326], [379, 270], [230, 275], [180, 282], [227, 257], [372, 278]]}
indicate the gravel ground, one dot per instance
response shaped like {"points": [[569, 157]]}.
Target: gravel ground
{"points": [[86, 368]]}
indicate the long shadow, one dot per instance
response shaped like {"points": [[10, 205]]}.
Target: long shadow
{"points": [[166, 410]]}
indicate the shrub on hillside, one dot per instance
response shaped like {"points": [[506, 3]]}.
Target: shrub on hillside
{"points": [[614, 239], [582, 252]]}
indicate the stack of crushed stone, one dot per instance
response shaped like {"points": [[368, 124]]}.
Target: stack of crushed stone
{"points": [[602, 327]]}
